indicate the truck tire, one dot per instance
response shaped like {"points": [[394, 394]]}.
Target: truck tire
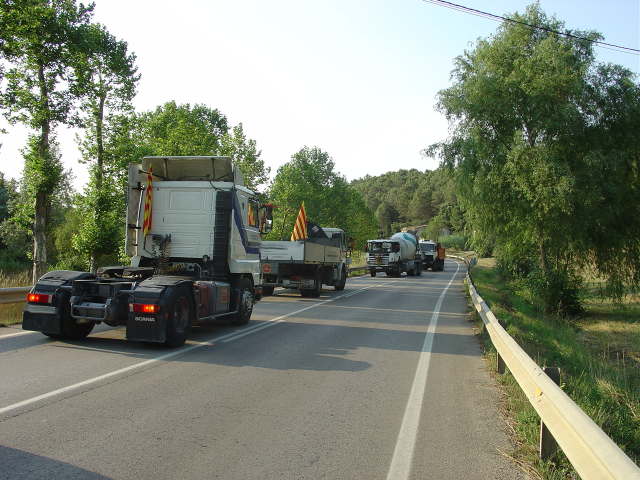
{"points": [[243, 302], [317, 287], [411, 272], [418, 269], [267, 291], [69, 328], [372, 272], [179, 319], [343, 280]]}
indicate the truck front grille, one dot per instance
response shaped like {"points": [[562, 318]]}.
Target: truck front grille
{"points": [[378, 259]]}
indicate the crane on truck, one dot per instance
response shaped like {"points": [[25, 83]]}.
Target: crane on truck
{"points": [[195, 258]]}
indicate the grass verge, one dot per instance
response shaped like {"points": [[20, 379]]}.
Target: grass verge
{"points": [[11, 314], [599, 357]]}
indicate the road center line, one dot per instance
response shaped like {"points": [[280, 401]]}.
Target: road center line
{"points": [[402, 459], [223, 338]]}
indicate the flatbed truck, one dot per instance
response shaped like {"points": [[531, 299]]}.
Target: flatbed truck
{"points": [[307, 264]]}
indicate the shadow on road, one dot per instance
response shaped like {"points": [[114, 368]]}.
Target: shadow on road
{"points": [[18, 464]]}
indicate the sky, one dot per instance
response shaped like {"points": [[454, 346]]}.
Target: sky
{"points": [[357, 78]]}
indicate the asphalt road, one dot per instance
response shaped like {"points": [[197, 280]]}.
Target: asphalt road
{"points": [[384, 380]]}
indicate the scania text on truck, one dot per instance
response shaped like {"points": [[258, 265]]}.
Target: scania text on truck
{"points": [[193, 236], [306, 264], [395, 255]]}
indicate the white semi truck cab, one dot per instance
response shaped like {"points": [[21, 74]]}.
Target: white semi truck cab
{"points": [[199, 261]]}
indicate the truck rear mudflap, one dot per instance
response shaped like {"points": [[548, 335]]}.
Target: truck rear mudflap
{"points": [[41, 318], [48, 301], [150, 306]]}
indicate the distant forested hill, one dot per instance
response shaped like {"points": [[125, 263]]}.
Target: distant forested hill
{"points": [[413, 197]]}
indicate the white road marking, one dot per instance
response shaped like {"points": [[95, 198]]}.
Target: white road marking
{"points": [[223, 338], [400, 467], [275, 321], [16, 334]]}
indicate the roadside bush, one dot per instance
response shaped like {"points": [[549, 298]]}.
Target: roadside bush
{"points": [[558, 292], [458, 242]]}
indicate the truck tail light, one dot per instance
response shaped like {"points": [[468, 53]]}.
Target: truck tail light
{"points": [[39, 298], [148, 308]]}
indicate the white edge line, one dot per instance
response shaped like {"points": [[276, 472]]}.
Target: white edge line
{"points": [[223, 338], [402, 459], [16, 334]]}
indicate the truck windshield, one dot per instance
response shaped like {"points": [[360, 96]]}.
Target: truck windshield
{"points": [[380, 247], [427, 247]]}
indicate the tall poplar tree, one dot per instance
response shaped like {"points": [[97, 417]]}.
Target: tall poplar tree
{"points": [[105, 83], [37, 45]]}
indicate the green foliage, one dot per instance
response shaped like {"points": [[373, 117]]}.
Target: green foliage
{"points": [[412, 197], [457, 242], [544, 142], [100, 224], [602, 383], [246, 156], [106, 84], [310, 177], [38, 43]]}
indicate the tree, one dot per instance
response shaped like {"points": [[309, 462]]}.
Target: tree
{"points": [[531, 112], [106, 82], [246, 155], [173, 129], [37, 40], [310, 177]]}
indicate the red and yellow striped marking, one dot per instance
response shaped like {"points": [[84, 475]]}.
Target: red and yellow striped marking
{"points": [[300, 228], [146, 224]]}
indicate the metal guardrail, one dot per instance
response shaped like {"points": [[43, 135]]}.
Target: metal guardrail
{"points": [[13, 294], [591, 452]]}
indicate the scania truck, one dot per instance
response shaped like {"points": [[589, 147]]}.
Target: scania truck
{"points": [[193, 237]]}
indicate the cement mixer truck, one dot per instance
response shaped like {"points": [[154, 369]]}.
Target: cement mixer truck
{"points": [[395, 255]]}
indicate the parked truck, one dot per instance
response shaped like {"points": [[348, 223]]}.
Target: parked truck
{"points": [[433, 255], [306, 264], [198, 259], [395, 255]]}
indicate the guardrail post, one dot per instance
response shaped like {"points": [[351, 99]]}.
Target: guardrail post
{"points": [[500, 365], [548, 445]]}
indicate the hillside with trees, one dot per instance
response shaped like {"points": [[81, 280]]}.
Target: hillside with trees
{"points": [[413, 197]]}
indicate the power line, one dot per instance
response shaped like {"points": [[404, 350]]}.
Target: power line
{"points": [[500, 18]]}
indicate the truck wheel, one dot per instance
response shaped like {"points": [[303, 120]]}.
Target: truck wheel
{"points": [[244, 300], [419, 270], [373, 273], [70, 330], [343, 281], [267, 291], [411, 272], [179, 319], [317, 287]]}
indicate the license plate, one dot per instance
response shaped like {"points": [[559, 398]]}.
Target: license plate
{"points": [[145, 319]]}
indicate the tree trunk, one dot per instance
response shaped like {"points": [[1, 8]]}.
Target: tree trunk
{"points": [[99, 119], [40, 236], [42, 197]]}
